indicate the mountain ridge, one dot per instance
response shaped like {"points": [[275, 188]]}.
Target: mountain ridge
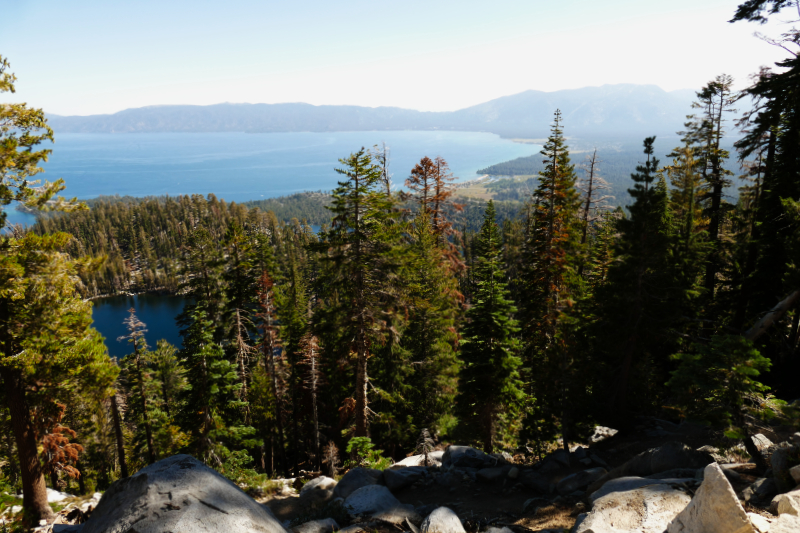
{"points": [[612, 110]]}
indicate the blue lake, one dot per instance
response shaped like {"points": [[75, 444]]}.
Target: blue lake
{"points": [[235, 167], [241, 166], [156, 310]]}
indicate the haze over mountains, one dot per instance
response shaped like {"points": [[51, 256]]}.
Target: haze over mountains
{"points": [[624, 110]]}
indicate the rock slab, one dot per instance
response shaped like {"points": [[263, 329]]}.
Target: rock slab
{"points": [[317, 526], [182, 495], [714, 508], [399, 477], [317, 492], [465, 456], [644, 510], [579, 480], [788, 503], [442, 520], [355, 479], [370, 499]]}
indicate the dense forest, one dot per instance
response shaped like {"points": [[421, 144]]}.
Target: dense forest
{"points": [[519, 331]]}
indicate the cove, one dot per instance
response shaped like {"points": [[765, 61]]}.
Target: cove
{"points": [[158, 311]]}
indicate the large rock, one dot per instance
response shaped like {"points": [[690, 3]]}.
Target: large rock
{"points": [[490, 475], [761, 489], [795, 473], [326, 525], [643, 510], [579, 480], [317, 492], [397, 478], [782, 459], [786, 523], [623, 484], [370, 500], [442, 520], [182, 495], [672, 455], [434, 459], [355, 479], [788, 503], [465, 456], [714, 508]]}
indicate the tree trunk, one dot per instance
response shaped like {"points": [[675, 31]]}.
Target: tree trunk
{"points": [[151, 449], [123, 465], [361, 389], [34, 489]]}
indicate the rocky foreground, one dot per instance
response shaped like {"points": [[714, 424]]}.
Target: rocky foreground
{"points": [[672, 488]]}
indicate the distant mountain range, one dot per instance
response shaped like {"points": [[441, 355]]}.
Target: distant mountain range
{"points": [[624, 110]]}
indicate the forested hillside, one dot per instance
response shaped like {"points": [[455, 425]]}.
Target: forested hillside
{"points": [[513, 326]]}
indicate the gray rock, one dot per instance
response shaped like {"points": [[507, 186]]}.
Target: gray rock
{"points": [[794, 472], [535, 481], [434, 459], [677, 455], [398, 514], [602, 433], [579, 480], [534, 503], [644, 510], [785, 523], [761, 442], [179, 494], [317, 492], [597, 460], [501, 458], [397, 478], [795, 438], [355, 479], [317, 526], [425, 510], [714, 508], [788, 503], [370, 499], [465, 456], [559, 456], [513, 473], [670, 456], [490, 475], [761, 489], [622, 484], [780, 462], [442, 520], [67, 528], [580, 453], [492, 529]]}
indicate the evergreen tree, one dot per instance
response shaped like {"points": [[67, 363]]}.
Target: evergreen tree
{"points": [[360, 258], [134, 373], [638, 306], [489, 378], [46, 340], [211, 394], [551, 253]]}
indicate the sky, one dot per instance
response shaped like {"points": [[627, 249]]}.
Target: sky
{"points": [[86, 57]]}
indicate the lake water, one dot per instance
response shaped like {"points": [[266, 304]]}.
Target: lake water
{"points": [[235, 167], [242, 166], [156, 310]]}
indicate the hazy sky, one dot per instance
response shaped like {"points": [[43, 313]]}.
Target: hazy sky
{"points": [[86, 57]]}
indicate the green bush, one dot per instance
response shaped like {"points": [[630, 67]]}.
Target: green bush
{"points": [[362, 453]]}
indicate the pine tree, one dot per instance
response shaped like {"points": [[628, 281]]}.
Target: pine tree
{"points": [[133, 365], [637, 307], [489, 378], [46, 340], [551, 253], [359, 252]]}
